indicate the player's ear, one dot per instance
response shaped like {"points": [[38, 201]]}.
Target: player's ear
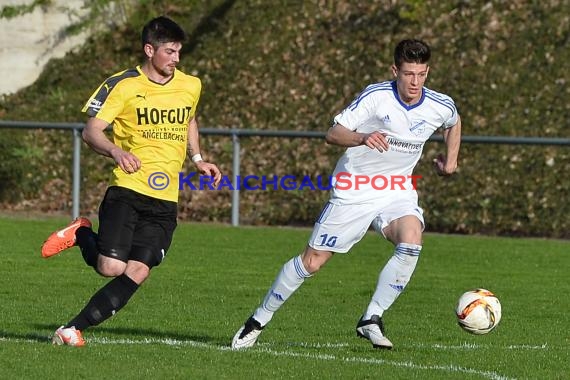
{"points": [[394, 71], [148, 50]]}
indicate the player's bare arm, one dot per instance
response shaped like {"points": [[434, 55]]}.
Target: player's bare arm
{"points": [[447, 164], [93, 134], [341, 136], [203, 167]]}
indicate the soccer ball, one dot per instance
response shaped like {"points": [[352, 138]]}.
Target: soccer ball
{"points": [[478, 311]]}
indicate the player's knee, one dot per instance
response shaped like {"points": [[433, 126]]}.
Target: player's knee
{"points": [[137, 271], [407, 229], [110, 272], [413, 236], [314, 260], [110, 267]]}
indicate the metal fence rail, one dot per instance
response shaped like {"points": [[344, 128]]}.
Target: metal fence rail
{"points": [[235, 134]]}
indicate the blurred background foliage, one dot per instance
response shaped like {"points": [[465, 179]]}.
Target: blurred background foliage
{"points": [[294, 65]]}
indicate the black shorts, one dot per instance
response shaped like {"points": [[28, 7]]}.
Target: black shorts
{"points": [[136, 227]]}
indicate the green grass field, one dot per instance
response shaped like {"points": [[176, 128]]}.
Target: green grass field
{"points": [[180, 323]]}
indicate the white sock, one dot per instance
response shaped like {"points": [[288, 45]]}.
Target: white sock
{"points": [[291, 277], [393, 278]]}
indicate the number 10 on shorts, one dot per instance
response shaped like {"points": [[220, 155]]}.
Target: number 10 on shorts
{"points": [[327, 240]]}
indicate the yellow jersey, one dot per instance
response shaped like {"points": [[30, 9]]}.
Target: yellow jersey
{"points": [[150, 121]]}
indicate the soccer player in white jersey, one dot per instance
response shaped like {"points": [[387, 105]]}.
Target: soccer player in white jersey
{"points": [[384, 130]]}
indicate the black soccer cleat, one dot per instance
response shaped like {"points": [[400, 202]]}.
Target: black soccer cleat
{"points": [[373, 330], [247, 335]]}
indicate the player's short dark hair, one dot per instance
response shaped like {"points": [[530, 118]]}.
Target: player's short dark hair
{"points": [[161, 30], [411, 51]]}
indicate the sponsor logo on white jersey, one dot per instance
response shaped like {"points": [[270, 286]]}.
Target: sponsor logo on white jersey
{"points": [[418, 127]]}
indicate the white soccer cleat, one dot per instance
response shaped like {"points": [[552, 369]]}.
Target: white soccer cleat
{"points": [[373, 330], [247, 335], [68, 336]]}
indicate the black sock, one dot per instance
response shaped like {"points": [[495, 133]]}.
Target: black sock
{"points": [[105, 303], [87, 242]]}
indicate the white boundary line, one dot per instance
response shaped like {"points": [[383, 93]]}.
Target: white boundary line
{"points": [[436, 346], [406, 364], [472, 346], [266, 348], [174, 342]]}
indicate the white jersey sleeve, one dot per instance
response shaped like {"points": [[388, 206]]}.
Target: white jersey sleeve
{"points": [[361, 114], [447, 105]]}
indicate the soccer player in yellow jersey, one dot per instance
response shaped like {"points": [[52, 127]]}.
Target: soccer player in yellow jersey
{"points": [[152, 109]]}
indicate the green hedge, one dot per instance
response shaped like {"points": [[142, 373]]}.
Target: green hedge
{"points": [[295, 64]]}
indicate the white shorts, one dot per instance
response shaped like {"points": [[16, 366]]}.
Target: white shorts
{"points": [[339, 227]]}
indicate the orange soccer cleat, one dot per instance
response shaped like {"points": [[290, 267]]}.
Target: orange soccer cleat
{"points": [[68, 336], [64, 238]]}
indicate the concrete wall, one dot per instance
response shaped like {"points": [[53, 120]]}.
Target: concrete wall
{"points": [[29, 41]]}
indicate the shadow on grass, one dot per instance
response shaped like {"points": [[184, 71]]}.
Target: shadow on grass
{"points": [[42, 338], [171, 338], [131, 333]]}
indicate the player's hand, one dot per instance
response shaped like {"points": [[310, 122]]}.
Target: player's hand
{"points": [[376, 140], [212, 170], [442, 167], [128, 162]]}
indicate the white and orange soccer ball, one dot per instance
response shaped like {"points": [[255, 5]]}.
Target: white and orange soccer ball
{"points": [[478, 311]]}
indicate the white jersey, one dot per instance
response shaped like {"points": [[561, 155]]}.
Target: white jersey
{"points": [[407, 128]]}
